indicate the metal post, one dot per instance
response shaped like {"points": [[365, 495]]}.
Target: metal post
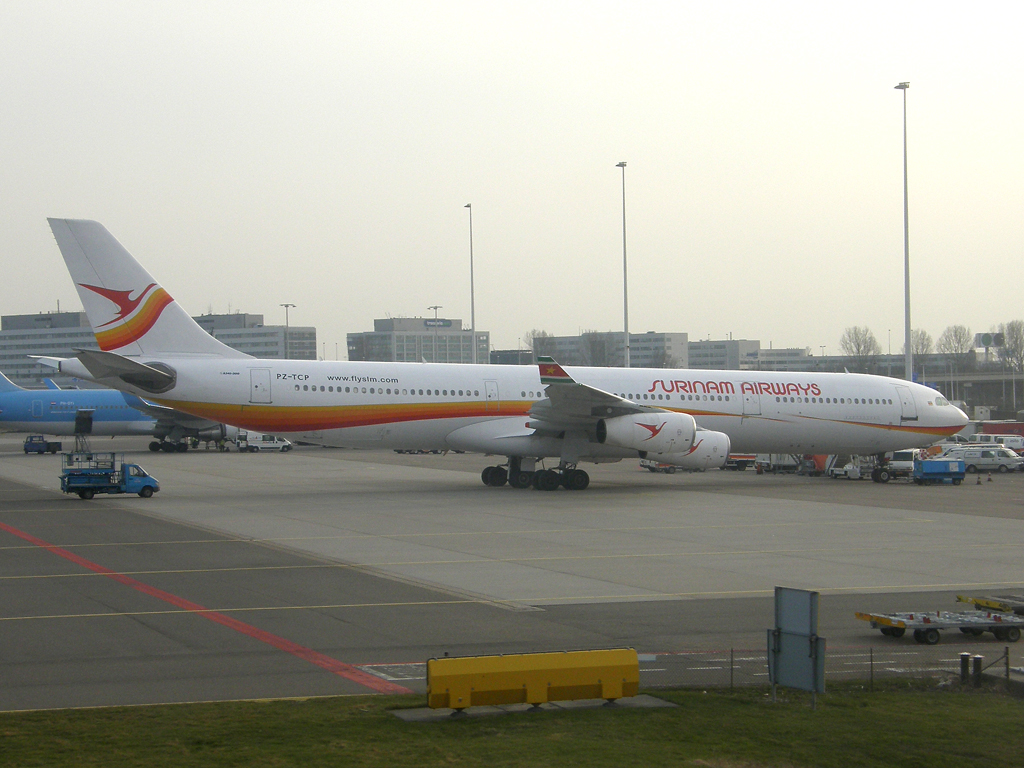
{"points": [[625, 285], [977, 670], [435, 307], [732, 666], [472, 291], [906, 242], [965, 667], [286, 351]]}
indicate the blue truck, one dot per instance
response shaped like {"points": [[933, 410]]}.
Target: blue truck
{"points": [[933, 471], [39, 444], [90, 473]]}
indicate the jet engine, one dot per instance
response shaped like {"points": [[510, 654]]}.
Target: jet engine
{"points": [[710, 450], [657, 432]]}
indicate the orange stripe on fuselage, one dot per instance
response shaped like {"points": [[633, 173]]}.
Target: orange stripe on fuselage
{"points": [[276, 419]]}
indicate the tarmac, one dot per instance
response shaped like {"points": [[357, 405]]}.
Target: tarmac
{"points": [[326, 572]]}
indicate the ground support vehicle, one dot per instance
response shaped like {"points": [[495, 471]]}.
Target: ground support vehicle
{"points": [[39, 444], [1002, 603], [931, 472], [739, 461], [254, 442], [90, 473], [653, 466], [927, 626]]}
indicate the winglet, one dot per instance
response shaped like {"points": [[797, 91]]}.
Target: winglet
{"points": [[552, 373]]}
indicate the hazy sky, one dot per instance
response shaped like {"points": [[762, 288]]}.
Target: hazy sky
{"points": [[320, 153]]}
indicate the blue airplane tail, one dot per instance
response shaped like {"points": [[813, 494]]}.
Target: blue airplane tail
{"points": [[6, 385]]}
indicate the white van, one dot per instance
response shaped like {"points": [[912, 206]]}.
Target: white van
{"points": [[254, 442], [985, 459]]}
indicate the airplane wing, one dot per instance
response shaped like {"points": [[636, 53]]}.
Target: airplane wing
{"points": [[571, 404]]}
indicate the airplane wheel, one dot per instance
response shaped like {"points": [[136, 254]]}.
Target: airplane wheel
{"points": [[154, 446], [548, 480], [498, 477], [577, 480], [884, 476], [485, 476], [521, 479], [168, 447], [181, 447]]}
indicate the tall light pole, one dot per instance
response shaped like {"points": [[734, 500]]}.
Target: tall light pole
{"points": [[625, 284], [472, 293], [906, 242], [435, 307], [286, 308]]}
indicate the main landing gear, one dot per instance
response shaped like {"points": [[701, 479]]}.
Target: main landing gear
{"points": [[542, 479]]}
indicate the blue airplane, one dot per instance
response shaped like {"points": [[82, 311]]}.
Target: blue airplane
{"points": [[55, 411]]}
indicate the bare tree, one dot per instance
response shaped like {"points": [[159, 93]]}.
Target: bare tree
{"points": [[920, 341], [1012, 351], [957, 344], [541, 342], [860, 345], [595, 348]]}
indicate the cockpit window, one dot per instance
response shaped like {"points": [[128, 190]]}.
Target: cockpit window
{"points": [[941, 401]]}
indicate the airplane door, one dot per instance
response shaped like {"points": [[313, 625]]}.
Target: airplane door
{"points": [[908, 407], [491, 393], [37, 409], [751, 404], [83, 422], [259, 385]]}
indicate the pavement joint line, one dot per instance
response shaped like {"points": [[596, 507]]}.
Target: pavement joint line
{"points": [[332, 665], [411, 603], [484, 560], [435, 534]]}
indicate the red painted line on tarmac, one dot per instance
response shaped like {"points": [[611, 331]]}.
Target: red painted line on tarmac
{"points": [[334, 666]]}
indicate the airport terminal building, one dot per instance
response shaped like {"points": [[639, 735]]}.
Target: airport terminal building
{"points": [[417, 340], [58, 334]]}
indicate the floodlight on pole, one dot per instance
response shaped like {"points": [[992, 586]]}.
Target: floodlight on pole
{"points": [[625, 282], [435, 307], [909, 356], [286, 308], [472, 292]]}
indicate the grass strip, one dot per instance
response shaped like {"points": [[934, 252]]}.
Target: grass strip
{"points": [[898, 724]]}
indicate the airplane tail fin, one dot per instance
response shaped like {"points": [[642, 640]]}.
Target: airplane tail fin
{"points": [[130, 313], [6, 385]]}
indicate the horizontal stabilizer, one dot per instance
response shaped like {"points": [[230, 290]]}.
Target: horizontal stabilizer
{"points": [[6, 385], [108, 365]]}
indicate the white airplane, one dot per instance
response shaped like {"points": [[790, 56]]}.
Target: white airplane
{"points": [[149, 346]]}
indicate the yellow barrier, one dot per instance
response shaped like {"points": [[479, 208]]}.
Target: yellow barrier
{"points": [[532, 678]]}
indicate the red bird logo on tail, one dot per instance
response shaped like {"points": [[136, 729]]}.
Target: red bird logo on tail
{"points": [[125, 303]]}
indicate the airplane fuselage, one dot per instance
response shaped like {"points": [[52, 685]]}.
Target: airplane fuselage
{"points": [[53, 412], [410, 405]]}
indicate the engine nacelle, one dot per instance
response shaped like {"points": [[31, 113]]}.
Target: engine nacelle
{"points": [[214, 433], [659, 432], [709, 451]]}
